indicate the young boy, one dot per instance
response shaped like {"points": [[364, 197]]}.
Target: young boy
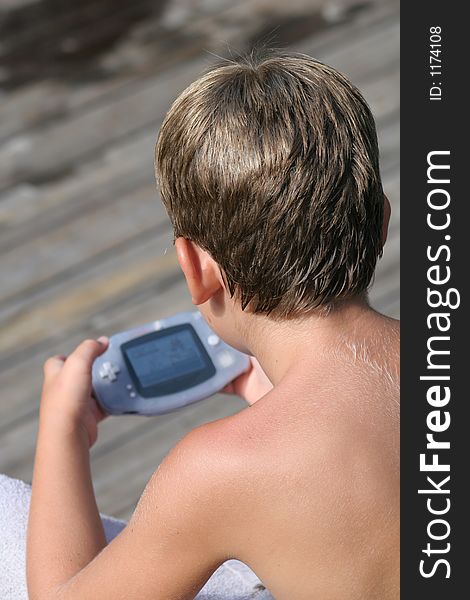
{"points": [[269, 169]]}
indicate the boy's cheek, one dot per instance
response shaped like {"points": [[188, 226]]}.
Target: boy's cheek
{"points": [[222, 316]]}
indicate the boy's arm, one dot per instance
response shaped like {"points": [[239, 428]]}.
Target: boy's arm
{"points": [[174, 540]]}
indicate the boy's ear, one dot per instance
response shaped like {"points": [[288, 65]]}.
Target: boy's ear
{"points": [[386, 221], [200, 270]]}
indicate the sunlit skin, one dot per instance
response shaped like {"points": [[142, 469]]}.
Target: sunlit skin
{"points": [[303, 485]]}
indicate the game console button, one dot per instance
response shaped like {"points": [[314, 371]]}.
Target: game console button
{"points": [[109, 371], [224, 359], [213, 340]]}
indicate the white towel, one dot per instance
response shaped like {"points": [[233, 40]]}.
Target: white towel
{"points": [[232, 581]]}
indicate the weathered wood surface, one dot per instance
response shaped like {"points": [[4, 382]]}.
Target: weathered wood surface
{"points": [[85, 245]]}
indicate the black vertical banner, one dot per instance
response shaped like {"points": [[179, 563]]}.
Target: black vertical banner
{"points": [[435, 242]]}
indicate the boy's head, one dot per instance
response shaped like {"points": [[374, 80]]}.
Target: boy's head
{"points": [[269, 166]]}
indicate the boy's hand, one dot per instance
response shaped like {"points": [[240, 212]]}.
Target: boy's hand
{"points": [[251, 385], [66, 396]]}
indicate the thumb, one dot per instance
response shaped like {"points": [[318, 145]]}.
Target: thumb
{"points": [[83, 356]]}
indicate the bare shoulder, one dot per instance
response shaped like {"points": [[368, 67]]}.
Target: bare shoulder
{"points": [[209, 456], [197, 487]]}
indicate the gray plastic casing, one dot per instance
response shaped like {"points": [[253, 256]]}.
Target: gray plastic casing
{"points": [[120, 396]]}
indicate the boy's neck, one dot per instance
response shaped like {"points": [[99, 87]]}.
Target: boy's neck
{"points": [[281, 345]]}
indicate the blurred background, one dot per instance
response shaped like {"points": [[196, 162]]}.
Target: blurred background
{"points": [[85, 245]]}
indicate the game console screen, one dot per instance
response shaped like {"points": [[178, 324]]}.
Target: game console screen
{"points": [[166, 356]]}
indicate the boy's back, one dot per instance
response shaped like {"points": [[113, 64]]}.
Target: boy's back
{"points": [[315, 467]]}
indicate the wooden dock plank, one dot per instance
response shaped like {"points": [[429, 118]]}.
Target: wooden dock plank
{"points": [[141, 204], [76, 215], [43, 258], [25, 400], [54, 149], [122, 319], [86, 237], [227, 24], [120, 167]]}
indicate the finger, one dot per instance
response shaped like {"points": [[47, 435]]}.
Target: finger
{"points": [[100, 413], [83, 356], [53, 365], [234, 386], [238, 385]]}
